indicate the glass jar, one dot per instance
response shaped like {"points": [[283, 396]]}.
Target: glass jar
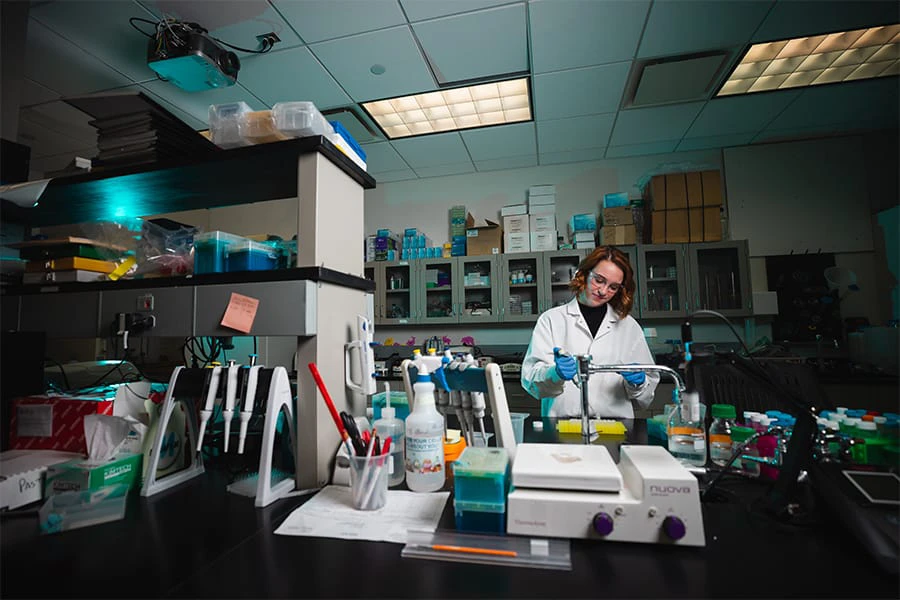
{"points": [[687, 437], [720, 433]]}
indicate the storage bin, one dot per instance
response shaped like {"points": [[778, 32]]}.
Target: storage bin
{"points": [[210, 251], [480, 517], [258, 127], [341, 131], [251, 256], [480, 475], [224, 121], [300, 119]]}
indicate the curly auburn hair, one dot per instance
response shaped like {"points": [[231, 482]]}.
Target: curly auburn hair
{"points": [[623, 301]]}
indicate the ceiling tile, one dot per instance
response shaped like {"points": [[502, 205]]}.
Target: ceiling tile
{"points": [[740, 114], [101, 28], [494, 41], [235, 22], [578, 33], [419, 10], [684, 26], [79, 73], [44, 141], [871, 102], [319, 20], [432, 150], [444, 170], [349, 60], [196, 104], [390, 176], [663, 147], [382, 158], [501, 141], [512, 162], [793, 19], [571, 156], [291, 75], [661, 123], [586, 91], [35, 93], [192, 121], [575, 133], [715, 141], [63, 118]]}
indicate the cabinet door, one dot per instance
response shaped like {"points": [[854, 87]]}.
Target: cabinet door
{"points": [[720, 278], [477, 298], [520, 286], [374, 272], [436, 278], [559, 268], [398, 304], [662, 280]]}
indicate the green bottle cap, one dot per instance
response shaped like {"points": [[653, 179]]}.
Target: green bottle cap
{"points": [[740, 434], [723, 411]]}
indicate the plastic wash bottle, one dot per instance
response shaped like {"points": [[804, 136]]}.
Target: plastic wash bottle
{"points": [[424, 437], [390, 426]]}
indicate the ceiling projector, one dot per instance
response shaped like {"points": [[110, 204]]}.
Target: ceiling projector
{"points": [[185, 56]]}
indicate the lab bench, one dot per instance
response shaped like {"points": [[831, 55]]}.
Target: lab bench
{"points": [[196, 540]]}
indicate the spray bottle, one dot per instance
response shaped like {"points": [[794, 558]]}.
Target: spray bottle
{"points": [[424, 436], [390, 426]]}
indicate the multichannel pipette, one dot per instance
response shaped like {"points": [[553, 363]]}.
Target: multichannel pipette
{"points": [[212, 390]]}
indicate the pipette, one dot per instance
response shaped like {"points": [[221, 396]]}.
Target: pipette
{"points": [[478, 406], [212, 390], [456, 398], [231, 386], [251, 379]]}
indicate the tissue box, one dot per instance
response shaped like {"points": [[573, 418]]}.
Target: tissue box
{"points": [[22, 475], [81, 474], [71, 510], [53, 422]]}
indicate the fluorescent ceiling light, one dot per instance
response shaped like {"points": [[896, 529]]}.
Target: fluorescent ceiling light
{"points": [[496, 103], [817, 60]]}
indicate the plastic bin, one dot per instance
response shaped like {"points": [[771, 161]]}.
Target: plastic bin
{"points": [[71, 510], [341, 131], [210, 251], [480, 475], [481, 517], [258, 127], [300, 119], [251, 256], [224, 121]]}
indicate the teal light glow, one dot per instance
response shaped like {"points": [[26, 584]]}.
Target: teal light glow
{"points": [[120, 200]]}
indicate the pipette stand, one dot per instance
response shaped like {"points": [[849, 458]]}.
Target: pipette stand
{"points": [[184, 386], [279, 398]]}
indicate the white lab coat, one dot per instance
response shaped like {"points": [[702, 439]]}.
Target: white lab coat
{"points": [[618, 341]]}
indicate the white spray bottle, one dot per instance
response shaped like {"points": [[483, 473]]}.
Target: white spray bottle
{"points": [[424, 437]]}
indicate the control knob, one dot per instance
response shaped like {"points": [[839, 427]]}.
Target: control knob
{"points": [[603, 524], [673, 527]]}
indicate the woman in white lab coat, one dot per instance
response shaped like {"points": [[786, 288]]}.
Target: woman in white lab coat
{"points": [[595, 322]]}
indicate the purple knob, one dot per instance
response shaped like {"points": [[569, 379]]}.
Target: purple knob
{"points": [[674, 528], [603, 524]]}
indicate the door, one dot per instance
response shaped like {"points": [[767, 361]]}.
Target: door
{"points": [[477, 298], [522, 277], [720, 278], [662, 280]]}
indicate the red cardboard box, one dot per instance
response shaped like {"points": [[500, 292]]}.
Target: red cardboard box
{"points": [[53, 422]]}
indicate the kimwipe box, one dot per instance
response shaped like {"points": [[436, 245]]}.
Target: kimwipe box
{"points": [[82, 474]]}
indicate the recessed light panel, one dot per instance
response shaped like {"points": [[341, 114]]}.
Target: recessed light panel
{"points": [[817, 60], [497, 103]]}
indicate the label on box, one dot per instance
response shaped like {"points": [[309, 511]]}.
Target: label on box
{"points": [[34, 420]]}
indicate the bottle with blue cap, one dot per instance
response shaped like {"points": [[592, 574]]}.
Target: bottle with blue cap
{"points": [[424, 436]]}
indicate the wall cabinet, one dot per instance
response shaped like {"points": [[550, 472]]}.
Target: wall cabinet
{"points": [[675, 280]]}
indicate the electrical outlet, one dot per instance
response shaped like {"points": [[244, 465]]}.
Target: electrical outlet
{"points": [[268, 39], [145, 303]]}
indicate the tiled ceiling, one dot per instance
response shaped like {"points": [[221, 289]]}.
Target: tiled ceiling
{"points": [[581, 56]]}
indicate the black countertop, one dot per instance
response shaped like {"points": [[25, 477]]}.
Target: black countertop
{"points": [[197, 540]]}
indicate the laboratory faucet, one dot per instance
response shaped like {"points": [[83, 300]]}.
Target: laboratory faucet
{"points": [[585, 369]]}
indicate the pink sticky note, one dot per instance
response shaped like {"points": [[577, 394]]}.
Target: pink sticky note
{"points": [[240, 312]]}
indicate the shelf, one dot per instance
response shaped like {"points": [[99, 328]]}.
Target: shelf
{"points": [[394, 290], [522, 285], [561, 283], [662, 280], [223, 178]]}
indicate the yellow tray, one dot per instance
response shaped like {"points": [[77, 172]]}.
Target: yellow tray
{"points": [[602, 426], [70, 263]]}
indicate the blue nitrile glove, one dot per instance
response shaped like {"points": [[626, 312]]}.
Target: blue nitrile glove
{"points": [[566, 367], [634, 377]]}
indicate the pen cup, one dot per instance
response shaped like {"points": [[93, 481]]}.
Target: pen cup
{"points": [[369, 481]]}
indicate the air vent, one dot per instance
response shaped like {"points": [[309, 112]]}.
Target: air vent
{"points": [[358, 126], [675, 79]]}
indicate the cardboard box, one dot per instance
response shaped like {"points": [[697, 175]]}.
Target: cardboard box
{"points": [[695, 223], [694, 189], [657, 192], [542, 209], [543, 240], [542, 223], [22, 475], [585, 245], [712, 188], [658, 227], [53, 422], [542, 190], [620, 215], [483, 237], [712, 224], [516, 242], [677, 226], [514, 209], [617, 235], [516, 224], [583, 236], [676, 191], [615, 200], [82, 474]]}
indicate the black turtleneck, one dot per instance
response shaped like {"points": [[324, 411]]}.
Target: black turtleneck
{"points": [[593, 316]]}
